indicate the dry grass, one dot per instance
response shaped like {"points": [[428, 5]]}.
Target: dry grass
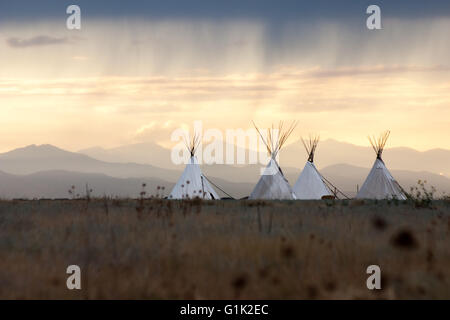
{"points": [[158, 249]]}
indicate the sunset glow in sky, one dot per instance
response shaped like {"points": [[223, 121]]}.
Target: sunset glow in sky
{"points": [[137, 74]]}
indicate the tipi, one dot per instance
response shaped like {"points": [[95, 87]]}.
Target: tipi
{"points": [[192, 183], [272, 184], [310, 184], [379, 183]]}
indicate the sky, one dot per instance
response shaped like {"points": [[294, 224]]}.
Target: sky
{"points": [[135, 72]]}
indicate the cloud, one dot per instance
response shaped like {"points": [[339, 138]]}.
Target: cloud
{"points": [[376, 70], [138, 109], [80, 58], [159, 132], [145, 108], [290, 89], [36, 41]]}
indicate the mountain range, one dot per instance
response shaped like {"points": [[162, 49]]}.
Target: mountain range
{"points": [[329, 152], [46, 171]]}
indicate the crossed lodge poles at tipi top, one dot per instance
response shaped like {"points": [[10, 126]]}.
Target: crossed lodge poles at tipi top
{"points": [[273, 185]]}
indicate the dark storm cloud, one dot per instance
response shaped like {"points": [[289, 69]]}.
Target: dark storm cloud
{"points": [[276, 11]]}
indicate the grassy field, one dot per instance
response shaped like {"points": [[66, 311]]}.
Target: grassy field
{"points": [[159, 249]]}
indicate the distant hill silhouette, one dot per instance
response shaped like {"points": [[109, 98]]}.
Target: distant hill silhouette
{"points": [[56, 184], [329, 152], [48, 171]]}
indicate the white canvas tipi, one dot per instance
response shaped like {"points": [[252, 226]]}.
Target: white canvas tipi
{"points": [[380, 184], [192, 183], [273, 185], [310, 184]]}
